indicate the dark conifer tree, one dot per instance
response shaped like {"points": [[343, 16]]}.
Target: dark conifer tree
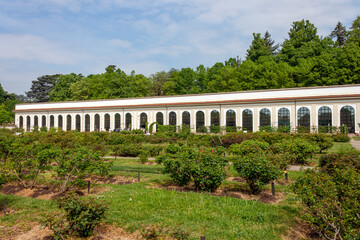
{"points": [[340, 33], [270, 43]]}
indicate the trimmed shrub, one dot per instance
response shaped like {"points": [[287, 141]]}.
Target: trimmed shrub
{"points": [[144, 156], [329, 162], [238, 137], [81, 216], [332, 202], [323, 141], [257, 170], [299, 148], [282, 160], [172, 149], [340, 138], [248, 147], [130, 150], [206, 171]]}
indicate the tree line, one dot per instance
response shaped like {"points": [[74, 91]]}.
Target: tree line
{"points": [[303, 59]]}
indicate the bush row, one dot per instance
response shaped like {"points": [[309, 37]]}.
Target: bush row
{"points": [[331, 195]]}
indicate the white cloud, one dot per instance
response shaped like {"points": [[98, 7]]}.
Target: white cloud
{"points": [[31, 47]]}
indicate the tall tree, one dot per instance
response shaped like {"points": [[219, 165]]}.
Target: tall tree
{"points": [[270, 43], [257, 48], [158, 80], [40, 88], [354, 33], [2, 94], [62, 91], [302, 32], [339, 33]]}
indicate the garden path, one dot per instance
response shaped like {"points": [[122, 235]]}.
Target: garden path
{"points": [[355, 144], [298, 168]]}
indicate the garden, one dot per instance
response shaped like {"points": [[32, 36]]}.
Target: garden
{"points": [[178, 185]]}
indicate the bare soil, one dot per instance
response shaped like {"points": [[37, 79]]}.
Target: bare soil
{"points": [[46, 192], [122, 180], [265, 196], [33, 231], [301, 231]]}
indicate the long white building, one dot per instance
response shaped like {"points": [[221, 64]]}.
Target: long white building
{"points": [[309, 107]]}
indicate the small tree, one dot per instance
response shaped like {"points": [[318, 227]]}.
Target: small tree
{"points": [[81, 216], [257, 170], [248, 146], [76, 164]]}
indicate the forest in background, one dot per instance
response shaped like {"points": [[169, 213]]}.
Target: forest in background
{"points": [[303, 59]]}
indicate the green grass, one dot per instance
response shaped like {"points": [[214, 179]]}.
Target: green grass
{"points": [[356, 138], [136, 205], [134, 165], [200, 213], [340, 146]]}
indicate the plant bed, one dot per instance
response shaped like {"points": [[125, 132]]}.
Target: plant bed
{"points": [[44, 192], [234, 192]]}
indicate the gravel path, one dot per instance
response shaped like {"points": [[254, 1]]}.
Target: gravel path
{"points": [[298, 168], [355, 144], [119, 157]]}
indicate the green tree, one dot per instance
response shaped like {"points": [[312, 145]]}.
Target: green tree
{"points": [[80, 90], [354, 33], [158, 80], [258, 48], [5, 115], [2, 94], [302, 32], [62, 90]]}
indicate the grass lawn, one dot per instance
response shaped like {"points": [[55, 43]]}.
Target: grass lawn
{"points": [[200, 213], [340, 147], [356, 138], [135, 205]]}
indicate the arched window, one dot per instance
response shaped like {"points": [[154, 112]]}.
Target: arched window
{"points": [[36, 121], [128, 121], [60, 121], [200, 121], [324, 117], [107, 122], [347, 117], [230, 118], [43, 121], [52, 121], [283, 117], [160, 118], [143, 120], [68, 122], [215, 118], [186, 118], [172, 118], [265, 117], [303, 118], [28, 121], [97, 123], [21, 122], [87, 123], [78, 123], [247, 120], [214, 121], [117, 121]]}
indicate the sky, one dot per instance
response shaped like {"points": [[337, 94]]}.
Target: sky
{"points": [[40, 37]]}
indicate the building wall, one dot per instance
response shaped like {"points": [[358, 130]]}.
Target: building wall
{"points": [[293, 99]]}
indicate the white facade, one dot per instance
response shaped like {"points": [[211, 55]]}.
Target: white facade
{"points": [[325, 106]]}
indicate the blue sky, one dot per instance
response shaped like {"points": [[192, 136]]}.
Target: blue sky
{"points": [[39, 37]]}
